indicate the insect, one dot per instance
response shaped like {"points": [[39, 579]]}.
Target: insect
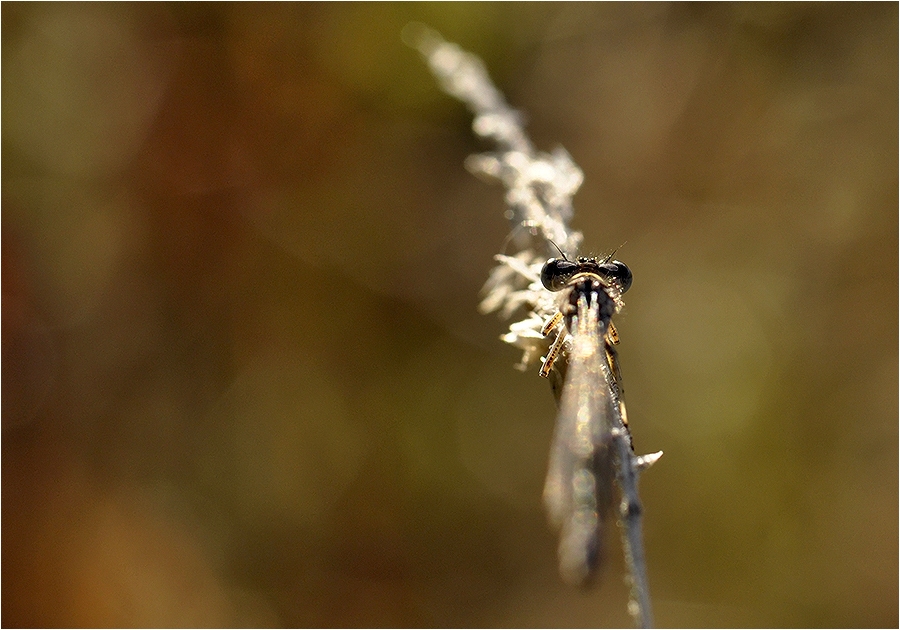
{"points": [[578, 492]]}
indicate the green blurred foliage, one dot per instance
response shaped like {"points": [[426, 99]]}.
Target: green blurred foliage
{"points": [[244, 379]]}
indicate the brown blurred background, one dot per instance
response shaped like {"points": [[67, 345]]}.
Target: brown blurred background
{"points": [[244, 379]]}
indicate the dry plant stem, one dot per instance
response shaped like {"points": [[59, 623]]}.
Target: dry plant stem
{"points": [[631, 516], [540, 187]]}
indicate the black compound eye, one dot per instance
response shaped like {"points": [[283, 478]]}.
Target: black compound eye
{"points": [[556, 273], [619, 273]]}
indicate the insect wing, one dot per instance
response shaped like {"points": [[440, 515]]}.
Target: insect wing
{"points": [[578, 490]]}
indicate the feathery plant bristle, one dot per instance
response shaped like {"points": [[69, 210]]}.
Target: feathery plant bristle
{"points": [[539, 186]]}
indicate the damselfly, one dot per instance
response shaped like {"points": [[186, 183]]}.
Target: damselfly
{"points": [[578, 492]]}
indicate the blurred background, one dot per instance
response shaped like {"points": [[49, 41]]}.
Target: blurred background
{"points": [[244, 378]]}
